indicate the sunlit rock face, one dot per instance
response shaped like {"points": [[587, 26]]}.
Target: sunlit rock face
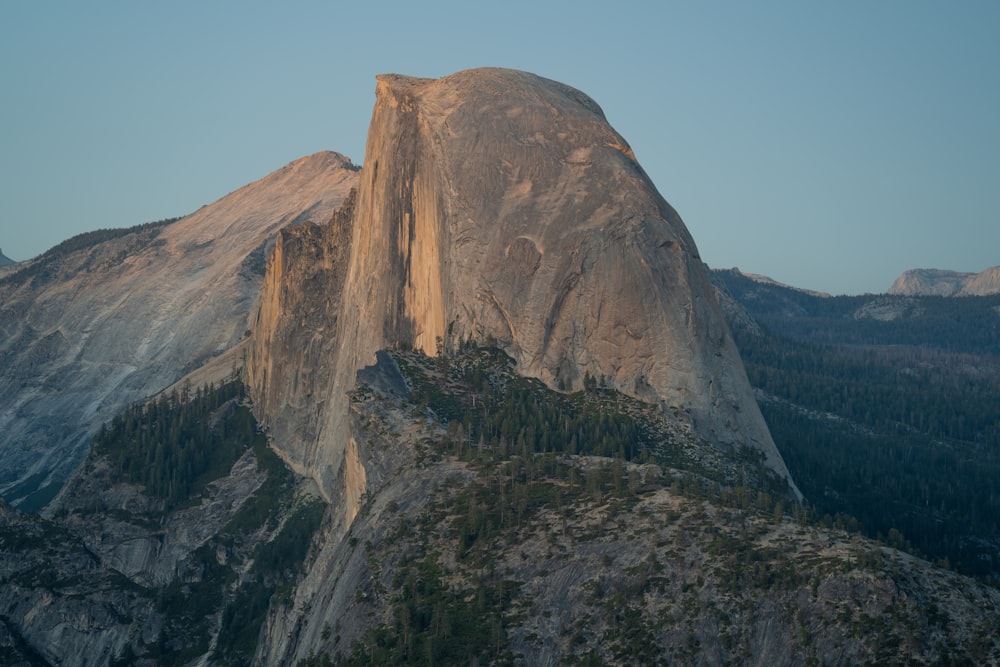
{"points": [[936, 282], [496, 204], [983, 283], [114, 322], [940, 282]]}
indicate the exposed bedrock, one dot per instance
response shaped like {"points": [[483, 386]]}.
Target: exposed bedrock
{"points": [[495, 204]]}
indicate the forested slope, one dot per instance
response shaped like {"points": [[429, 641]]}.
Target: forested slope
{"points": [[886, 409], [585, 529], [504, 523]]}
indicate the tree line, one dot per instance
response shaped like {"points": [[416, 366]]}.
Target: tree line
{"points": [[179, 442], [895, 423], [42, 265]]}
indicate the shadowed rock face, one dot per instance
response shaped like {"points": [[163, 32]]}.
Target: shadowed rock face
{"points": [[117, 321], [496, 203]]}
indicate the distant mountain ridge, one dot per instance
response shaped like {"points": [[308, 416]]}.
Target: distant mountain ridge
{"points": [[5, 260], [942, 282], [885, 407], [768, 280]]}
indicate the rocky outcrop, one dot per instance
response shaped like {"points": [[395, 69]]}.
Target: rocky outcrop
{"points": [[662, 577], [888, 309], [60, 605], [103, 513], [659, 569], [938, 282], [643, 572], [983, 283], [292, 353], [119, 574], [929, 282], [498, 205], [5, 260], [86, 332]]}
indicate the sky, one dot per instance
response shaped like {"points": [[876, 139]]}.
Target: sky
{"points": [[828, 145]]}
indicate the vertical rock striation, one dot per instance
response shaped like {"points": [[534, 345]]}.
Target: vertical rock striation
{"points": [[497, 204]]}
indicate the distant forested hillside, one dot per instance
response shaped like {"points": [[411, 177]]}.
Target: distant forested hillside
{"points": [[885, 408]]}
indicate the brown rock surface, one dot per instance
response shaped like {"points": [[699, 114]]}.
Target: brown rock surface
{"points": [[497, 204], [940, 282], [984, 283], [931, 282]]}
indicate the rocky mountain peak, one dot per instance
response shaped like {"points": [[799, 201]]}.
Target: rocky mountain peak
{"points": [[483, 510], [930, 282], [984, 283], [113, 317], [496, 205], [940, 282], [4, 260]]}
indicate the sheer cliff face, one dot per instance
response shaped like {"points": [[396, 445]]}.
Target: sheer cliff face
{"points": [[117, 321], [496, 203]]}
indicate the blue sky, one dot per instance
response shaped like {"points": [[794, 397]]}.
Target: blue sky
{"points": [[829, 145]]}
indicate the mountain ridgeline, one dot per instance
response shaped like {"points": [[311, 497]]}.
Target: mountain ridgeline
{"points": [[938, 282], [111, 317], [474, 403]]}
